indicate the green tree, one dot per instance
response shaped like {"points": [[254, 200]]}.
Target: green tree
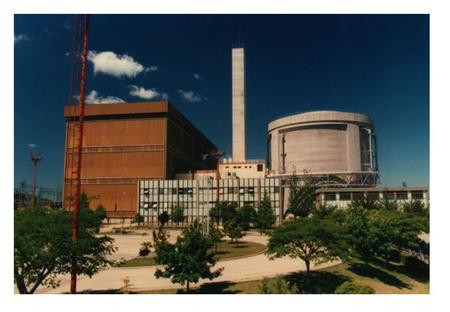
{"points": [[367, 235], [177, 215], [313, 240], [234, 230], [163, 218], [215, 213], [265, 217], [188, 260], [215, 235], [379, 233], [302, 198], [245, 216], [43, 247], [138, 218], [228, 212], [414, 207]]}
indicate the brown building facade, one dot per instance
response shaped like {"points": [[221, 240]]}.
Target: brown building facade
{"points": [[126, 142]]}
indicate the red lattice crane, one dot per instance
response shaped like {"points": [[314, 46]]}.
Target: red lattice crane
{"points": [[74, 141]]}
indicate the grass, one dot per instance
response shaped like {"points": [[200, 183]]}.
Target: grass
{"points": [[225, 251], [384, 278]]}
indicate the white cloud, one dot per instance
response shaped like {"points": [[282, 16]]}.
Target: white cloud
{"points": [[117, 65], [148, 94], [20, 37], [151, 68], [192, 97], [32, 145], [94, 98], [197, 76]]}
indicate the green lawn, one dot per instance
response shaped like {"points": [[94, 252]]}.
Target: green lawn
{"points": [[384, 278], [225, 251]]}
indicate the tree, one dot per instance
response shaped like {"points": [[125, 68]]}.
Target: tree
{"points": [[245, 216], [234, 230], [313, 240], [264, 215], [414, 207], [228, 212], [215, 235], [302, 199], [138, 218], [379, 233], [367, 236], [163, 218], [215, 213], [43, 247], [188, 260], [177, 215]]}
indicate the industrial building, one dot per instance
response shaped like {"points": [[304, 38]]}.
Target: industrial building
{"points": [[197, 197], [147, 158], [334, 148], [342, 197], [127, 142]]}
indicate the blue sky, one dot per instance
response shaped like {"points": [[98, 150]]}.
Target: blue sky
{"points": [[372, 64]]}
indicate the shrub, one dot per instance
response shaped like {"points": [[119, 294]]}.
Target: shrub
{"points": [[145, 249], [277, 285], [351, 288]]}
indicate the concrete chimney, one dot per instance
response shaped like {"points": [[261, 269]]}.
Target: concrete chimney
{"points": [[238, 103]]}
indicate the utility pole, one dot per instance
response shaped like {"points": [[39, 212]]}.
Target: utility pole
{"points": [[35, 159]]}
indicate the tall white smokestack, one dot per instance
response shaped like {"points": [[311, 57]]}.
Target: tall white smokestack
{"points": [[238, 103]]}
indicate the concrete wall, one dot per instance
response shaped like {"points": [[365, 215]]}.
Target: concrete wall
{"points": [[320, 142], [238, 104]]}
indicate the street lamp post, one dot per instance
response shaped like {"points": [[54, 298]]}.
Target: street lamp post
{"points": [[35, 159]]}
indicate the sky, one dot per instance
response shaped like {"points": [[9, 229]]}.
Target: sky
{"points": [[371, 64]]}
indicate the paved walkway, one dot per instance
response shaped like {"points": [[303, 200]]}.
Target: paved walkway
{"points": [[142, 278]]}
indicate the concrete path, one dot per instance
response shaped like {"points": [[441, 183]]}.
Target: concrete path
{"points": [[142, 278]]}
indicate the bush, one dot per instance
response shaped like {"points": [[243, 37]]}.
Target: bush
{"points": [[277, 285], [351, 288], [145, 249]]}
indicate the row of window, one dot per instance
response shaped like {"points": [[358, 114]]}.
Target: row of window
{"points": [[259, 167], [189, 190], [402, 195]]}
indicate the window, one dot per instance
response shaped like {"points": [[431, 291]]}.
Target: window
{"points": [[242, 190], [174, 191], [373, 195], [276, 189], [330, 196], [417, 195], [251, 190], [260, 167], [344, 196], [402, 195], [230, 190], [161, 191], [180, 191], [389, 195], [146, 191], [229, 173], [358, 196]]}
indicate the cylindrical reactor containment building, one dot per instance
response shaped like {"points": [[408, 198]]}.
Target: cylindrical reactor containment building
{"points": [[339, 145]]}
